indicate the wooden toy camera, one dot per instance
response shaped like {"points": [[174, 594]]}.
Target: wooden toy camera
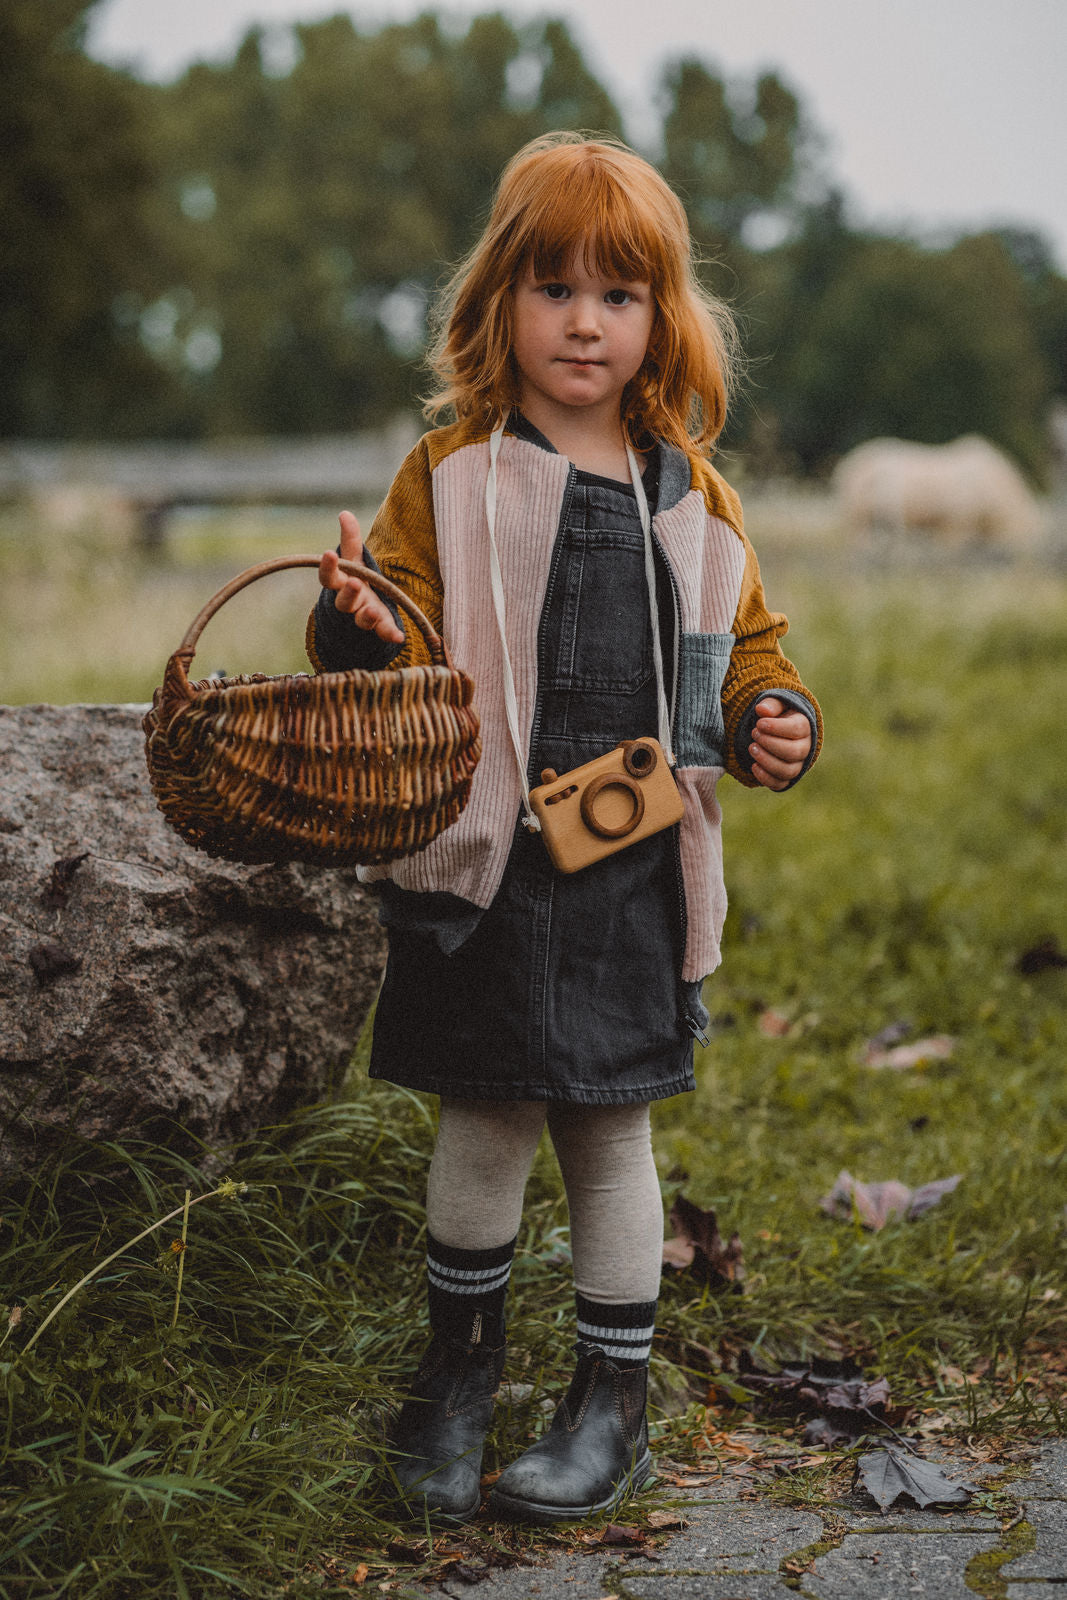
{"points": [[605, 805]]}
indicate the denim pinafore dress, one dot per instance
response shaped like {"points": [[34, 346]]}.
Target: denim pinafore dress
{"points": [[568, 988]]}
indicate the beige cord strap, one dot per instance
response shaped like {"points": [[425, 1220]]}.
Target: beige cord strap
{"points": [[664, 715]]}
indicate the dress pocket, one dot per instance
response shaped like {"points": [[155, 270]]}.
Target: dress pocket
{"points": [[699, 732]]}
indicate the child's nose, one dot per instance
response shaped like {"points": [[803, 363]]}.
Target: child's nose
{"points": [[585, 317]]}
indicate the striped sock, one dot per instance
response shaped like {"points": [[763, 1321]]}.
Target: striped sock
{"points": [[466, 1290], [624, 1332]]}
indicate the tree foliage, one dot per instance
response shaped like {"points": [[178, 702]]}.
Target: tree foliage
{"points": [[74, 183], [735, 158], [254, 247], [863, 336], [310, 214]]}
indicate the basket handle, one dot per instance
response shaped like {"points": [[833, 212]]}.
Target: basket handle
{"points": [[354, 569]]}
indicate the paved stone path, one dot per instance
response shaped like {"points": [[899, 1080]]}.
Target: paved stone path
{"points": [[751, 1549]]}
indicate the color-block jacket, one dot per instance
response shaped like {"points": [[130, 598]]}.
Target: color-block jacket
{"points": [[430, 538]]}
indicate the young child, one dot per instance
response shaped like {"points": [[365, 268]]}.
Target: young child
{"points": [[588, 374]]}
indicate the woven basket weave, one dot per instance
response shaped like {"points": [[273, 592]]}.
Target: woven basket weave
{"points": [[340, 769]]}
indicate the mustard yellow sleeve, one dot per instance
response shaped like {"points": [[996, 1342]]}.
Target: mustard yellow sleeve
{"points": [[757, 667], [402, 540]]}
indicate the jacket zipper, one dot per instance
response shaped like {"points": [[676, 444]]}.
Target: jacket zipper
{"points": [[676, 646]]}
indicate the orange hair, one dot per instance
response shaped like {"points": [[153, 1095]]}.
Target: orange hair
{"points": [[562, 193]]}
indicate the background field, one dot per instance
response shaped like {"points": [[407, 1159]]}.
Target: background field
{"points": [[900, 884]]}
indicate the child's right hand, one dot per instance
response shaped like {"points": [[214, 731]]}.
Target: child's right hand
{"points": [[367, 609]]}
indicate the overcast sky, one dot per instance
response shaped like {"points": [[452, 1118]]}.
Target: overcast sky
{"points": [[936, 113]]}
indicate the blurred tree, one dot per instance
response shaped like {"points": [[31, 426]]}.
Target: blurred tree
{"points": [[859, 336], [75, 239], [309, 209], [736, 154], [254, 247], [1046, 291]]}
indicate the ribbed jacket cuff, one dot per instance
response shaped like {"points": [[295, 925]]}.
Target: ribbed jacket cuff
{"points": [[745, 728], [337, 644]]}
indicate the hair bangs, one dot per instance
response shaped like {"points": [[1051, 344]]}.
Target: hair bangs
{"points": [[593, 217]]}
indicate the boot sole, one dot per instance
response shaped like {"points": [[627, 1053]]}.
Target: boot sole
{"points": [[511, 1507]]}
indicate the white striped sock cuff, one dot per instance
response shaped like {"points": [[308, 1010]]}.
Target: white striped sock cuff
{"points": [[467, 1280], [626, 1344]]}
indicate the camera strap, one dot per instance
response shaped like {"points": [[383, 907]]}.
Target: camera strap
{"points": [[511, 707]]}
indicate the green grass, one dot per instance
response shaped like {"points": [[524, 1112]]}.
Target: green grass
{"points": [[88, 617], [901, 882], [233, 1448]]}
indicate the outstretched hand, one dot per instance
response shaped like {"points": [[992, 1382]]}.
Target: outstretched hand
{"points": [[781, 743], [367, 609]]}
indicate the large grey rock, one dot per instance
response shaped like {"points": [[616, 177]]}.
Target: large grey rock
{"points": [[144, 987]]}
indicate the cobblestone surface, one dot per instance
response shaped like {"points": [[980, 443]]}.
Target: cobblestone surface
{"points": [[751, 1549]]}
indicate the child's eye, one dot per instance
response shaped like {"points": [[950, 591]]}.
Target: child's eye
{"points": [[555, 291], [618, 297]]}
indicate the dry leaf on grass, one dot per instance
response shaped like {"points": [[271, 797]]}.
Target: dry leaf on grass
{"points": [[901, 1057], [698, 1246], [773, 1024], [1041, 957], [847, 1405], [875, 1203]]}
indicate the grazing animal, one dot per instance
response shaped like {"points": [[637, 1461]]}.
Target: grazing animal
{"points": [[966, 491]]}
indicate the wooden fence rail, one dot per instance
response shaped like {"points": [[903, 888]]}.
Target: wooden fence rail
{"points": [[154, 478]]}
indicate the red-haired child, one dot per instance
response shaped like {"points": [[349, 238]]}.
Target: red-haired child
{"points": [[589, 569]]}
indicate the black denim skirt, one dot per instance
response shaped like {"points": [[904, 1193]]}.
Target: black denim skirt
{"points": [[567, 989]]}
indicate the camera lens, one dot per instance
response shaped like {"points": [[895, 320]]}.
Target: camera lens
{"points": [[639, 759]]}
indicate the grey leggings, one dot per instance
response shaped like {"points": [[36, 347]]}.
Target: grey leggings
{"points": [[478, 1176]]}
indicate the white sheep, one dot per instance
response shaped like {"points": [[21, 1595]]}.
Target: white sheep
{"points": [[964, 491]]}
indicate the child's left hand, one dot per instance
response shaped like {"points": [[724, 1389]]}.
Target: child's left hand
{"points": [[781, 743]]}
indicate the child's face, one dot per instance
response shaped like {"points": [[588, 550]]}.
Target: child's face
{"points": [[579, 339]]}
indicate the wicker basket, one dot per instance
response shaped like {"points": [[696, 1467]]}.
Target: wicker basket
{"points": [[340, 769]]}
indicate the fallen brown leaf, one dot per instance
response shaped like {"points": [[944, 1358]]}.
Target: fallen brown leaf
{"points": [[1040, 957], [901, 1057], [698, 1246], [666, 1519], [616, 1534], [846, 1404], [401, 1550], [875, 1203], [773, 1024]]}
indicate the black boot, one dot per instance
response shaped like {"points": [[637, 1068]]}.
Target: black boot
{"points": [[593, 1456], [439, 1434]]}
